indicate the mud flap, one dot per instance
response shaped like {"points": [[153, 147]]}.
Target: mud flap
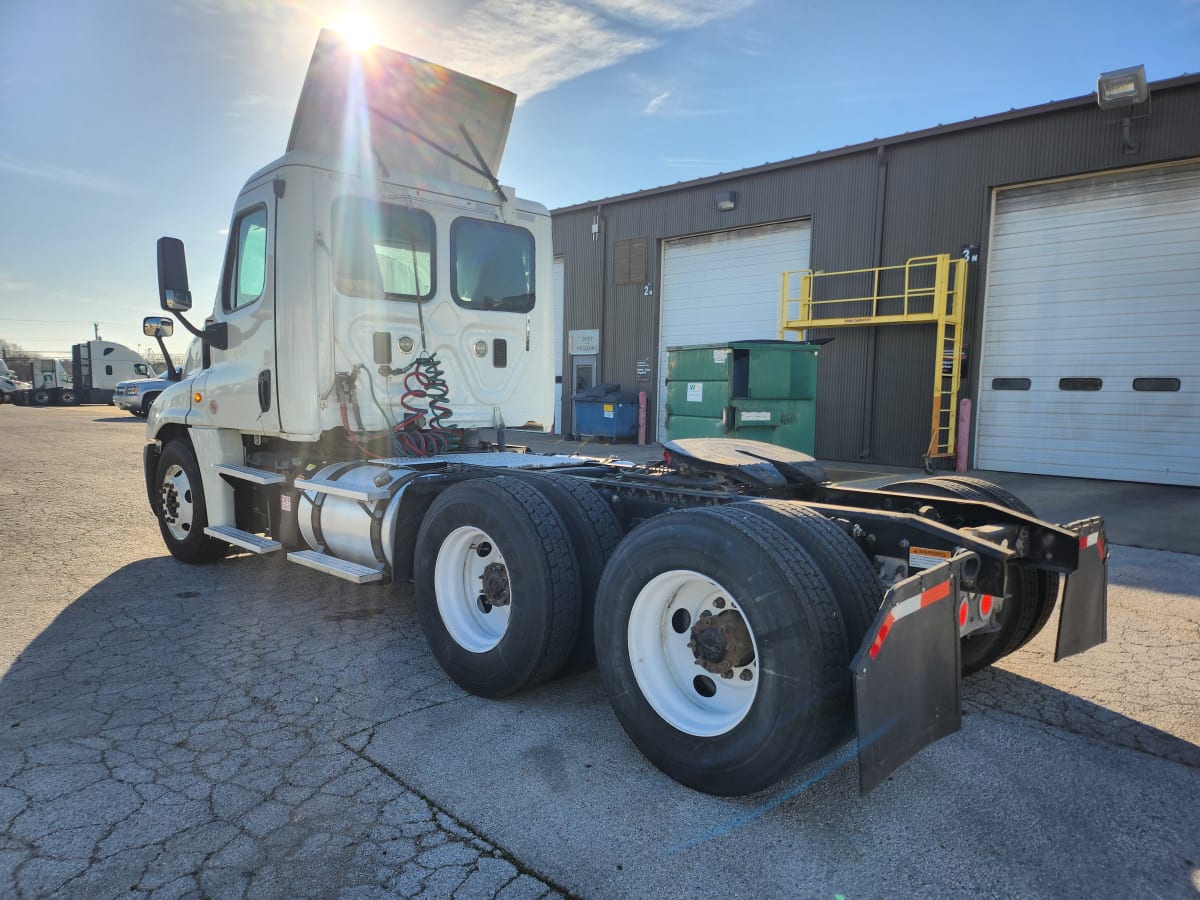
{"points": [[1083, 621], [908, 672]]}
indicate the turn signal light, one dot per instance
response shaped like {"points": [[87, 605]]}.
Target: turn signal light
{"points": [[197, 397]]}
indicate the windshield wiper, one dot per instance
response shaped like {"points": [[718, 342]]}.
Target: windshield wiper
{"points": [[481, 169]]}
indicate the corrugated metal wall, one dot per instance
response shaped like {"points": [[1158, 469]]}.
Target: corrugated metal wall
{"points": [[874, 400]]}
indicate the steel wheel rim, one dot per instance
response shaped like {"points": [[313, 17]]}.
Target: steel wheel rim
{"points": [[665, 666], [458, 574], [178, 504]]}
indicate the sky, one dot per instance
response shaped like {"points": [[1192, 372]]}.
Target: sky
{"points": [[125, 120]]}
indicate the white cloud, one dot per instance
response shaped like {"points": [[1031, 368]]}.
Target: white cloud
{"points": [[656, 103], [10, 285], [671, 14], [59, 174]]}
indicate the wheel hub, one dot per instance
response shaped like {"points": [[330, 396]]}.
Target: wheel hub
{"points": [[721, 643], [495, 584], [170, 503]]}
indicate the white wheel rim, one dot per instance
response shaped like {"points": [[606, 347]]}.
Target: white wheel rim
{"points": [[458, 574], [665, 667], [178, 505]]}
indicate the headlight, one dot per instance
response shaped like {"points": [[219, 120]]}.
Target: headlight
{"points": [[131, 390]]}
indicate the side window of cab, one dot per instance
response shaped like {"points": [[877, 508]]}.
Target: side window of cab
{"points": [[246, 260]]}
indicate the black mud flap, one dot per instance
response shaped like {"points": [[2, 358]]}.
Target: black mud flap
{"points": [[908, 672], [1083, 622], [150, 455]]}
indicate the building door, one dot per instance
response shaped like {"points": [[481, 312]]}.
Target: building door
{"points": [[724, 286], [1091, 321]]}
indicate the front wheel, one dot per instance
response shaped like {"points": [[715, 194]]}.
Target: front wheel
{"points": [[722, 649], [40, 398], [182, 514]]}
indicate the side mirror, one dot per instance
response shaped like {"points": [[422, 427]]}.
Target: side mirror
{"points": [[173, 292], [158, 326]]}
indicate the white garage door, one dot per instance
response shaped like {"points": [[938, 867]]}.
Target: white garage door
{"points": [[725, 287], [559, 270], [1090, 361]]}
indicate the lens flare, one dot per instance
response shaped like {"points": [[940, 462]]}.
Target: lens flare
{"points": [[356, 29]]}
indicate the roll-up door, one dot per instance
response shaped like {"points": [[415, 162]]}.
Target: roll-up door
{"points": [[1089, 363], [724, 286]]}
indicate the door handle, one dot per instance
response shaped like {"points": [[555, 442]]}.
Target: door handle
{"points": [[264, 390]]}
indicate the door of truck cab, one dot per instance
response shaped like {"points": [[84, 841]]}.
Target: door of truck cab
{"points": [[241, 390]]}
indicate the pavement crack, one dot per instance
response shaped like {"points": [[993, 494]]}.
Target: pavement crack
{"points": [[499, 851]]}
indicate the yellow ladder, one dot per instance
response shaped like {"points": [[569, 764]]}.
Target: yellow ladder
{"points": [[932, 289]]}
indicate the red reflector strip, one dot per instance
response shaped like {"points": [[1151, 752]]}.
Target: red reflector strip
{"points": [[1089, 540], [882, 633], [1100, 547], [934, 594]]}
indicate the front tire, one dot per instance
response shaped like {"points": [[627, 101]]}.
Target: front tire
{"points": [[721, 649], [497, 586], [182, 513]]}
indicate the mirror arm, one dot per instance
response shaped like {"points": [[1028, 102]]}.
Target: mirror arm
{"points": [[215, 334], [173, 374]]}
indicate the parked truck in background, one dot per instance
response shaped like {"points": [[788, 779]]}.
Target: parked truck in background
{"points": [[96, 367], [385, 304], [10, 383]]}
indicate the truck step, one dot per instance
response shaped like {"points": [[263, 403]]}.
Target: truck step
{"points": [[342, 568], [253, 542], [246, 473], [321, 486]]}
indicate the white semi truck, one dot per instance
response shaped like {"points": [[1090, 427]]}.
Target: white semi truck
{"points": [[385, 306], [96, 369]]}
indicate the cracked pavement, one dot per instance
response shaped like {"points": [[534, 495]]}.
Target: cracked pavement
{"points": [[174, 732], [253, 728]]}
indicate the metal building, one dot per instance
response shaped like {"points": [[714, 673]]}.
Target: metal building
{"points": [[1082, 312]]}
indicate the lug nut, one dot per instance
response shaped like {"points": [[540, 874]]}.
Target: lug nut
{"points": [[726, 674], [746, 675], [719, 603]]}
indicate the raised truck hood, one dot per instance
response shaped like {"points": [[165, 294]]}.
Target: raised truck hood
{"points": [[408, 99]]}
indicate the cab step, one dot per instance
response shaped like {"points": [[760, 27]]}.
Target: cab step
{"points": [[254, 476], [321, 486], [255, 543], [342, 568]]}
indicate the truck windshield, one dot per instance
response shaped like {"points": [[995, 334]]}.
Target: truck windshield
{"points": [[382, 250], [492, 266]]}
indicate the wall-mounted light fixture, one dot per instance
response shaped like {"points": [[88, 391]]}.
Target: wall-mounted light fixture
{"points": [[1124, 87], [1125, 90], [727, 200]]}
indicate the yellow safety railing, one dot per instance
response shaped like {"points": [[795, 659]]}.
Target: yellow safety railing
{"points": [[926, 289]]}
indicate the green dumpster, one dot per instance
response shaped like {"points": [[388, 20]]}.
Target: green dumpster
{"points": [[761, 390]]}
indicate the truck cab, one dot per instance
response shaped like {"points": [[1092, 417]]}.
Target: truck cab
{"points": [[377, 273]]}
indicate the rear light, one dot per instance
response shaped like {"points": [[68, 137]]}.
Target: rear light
{"points": [[962, 613], [985, 605]]}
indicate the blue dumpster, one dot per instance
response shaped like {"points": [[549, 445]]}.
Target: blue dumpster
{"points": [[606, 411]]}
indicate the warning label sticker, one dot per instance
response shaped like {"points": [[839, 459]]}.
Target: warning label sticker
{"points": [[695, 393], [924, 557], [719, 357], [756, 417]]}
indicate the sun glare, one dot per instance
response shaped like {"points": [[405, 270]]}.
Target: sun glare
{"points": [[356, 29]]}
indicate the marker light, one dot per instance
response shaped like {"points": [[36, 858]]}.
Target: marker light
{"points": [[197, 397]]}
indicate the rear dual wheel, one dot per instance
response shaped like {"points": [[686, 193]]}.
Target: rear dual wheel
{"points": [[1032, 592], [722, 649], [497, 585]]}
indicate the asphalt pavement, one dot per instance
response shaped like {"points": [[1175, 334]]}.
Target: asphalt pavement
{"points": [[253, 728]]}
